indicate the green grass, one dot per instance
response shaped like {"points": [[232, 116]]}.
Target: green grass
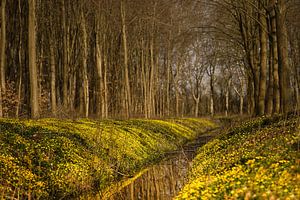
{"points": [[259, 159], [53, 158]]}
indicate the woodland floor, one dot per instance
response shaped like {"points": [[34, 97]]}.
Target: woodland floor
{"points": [[63, 159], [258, 159]]}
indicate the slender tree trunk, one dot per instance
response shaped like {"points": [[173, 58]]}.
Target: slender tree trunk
{"points": [[81, 95], [3, 46], [256, 76], [263, 62], [144, 81], [161, 103], [211, 73], [105, 89], [250, 96], [100, 110], [226, 102], [227, 98], [241, 104], [212, 110], [197, 100], [3, 57], [168, 84], [282, 52], [270, 91], [177, 88], [65, 57], [151, 81], [182, 109], [242, 97], [72, 91], [86, 96], [40, 72], [20, 50], [34, 101], [1, 107], [256, 94], [126, 70], [19, 91], [53, 79], [274, 49]]}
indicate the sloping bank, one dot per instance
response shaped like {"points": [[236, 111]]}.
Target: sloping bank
{"points": [[53, 158], [259, 159]]}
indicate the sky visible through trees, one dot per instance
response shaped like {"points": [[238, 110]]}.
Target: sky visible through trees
{"points": [[149, 58]]}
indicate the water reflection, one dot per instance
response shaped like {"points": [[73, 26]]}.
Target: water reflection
{"points": [[165, 180]]}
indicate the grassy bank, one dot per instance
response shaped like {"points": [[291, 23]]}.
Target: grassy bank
{"points": [[259, 159], [53, 158]]}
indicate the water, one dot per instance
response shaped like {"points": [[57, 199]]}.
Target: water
{"points": [[164, 180]]}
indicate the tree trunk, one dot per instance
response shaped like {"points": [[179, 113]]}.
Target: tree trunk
{"points": [[151, 81], [3, 46], [19, 90], [73, 79], [212, 110], [270, 90], [168, 85], [1, 107], [86, 96], [242, 97], [274, 49], [3, 57], [168, 74], [282, 52], [177, 87], [250, 96], [263, 62], [105, 89], [126, 70], [144, 81], [65, 57], [211, 74], [40, 72], [33, 76], [197, 100], [241, 104], [255, 75], [100, 99], [53, 79], [227, 98], [20, 50]]}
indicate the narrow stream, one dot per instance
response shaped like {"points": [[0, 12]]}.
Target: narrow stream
{"points": [[164, 180]]}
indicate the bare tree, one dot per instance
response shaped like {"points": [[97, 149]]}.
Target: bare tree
{"points": [[34, 101], [3, 45], [126, 70]]}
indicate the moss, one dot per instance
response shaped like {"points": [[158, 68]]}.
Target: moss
{"points": [[256, 159], [52, 158]]}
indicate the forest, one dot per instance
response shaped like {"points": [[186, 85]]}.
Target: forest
{"points": [[149, 99], [149, 59]]}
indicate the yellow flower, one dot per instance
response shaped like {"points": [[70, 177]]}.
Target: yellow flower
{"points": [[250, 162]]}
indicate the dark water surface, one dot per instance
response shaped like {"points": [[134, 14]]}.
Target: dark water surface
{"points": [[164, 180]]}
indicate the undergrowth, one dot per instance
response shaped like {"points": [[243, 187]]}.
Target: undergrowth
{"points": [[259, 159], [62, 159]]}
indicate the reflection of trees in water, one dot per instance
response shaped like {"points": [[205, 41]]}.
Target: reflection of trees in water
{"points": [[165, 180], [160, 182]]}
